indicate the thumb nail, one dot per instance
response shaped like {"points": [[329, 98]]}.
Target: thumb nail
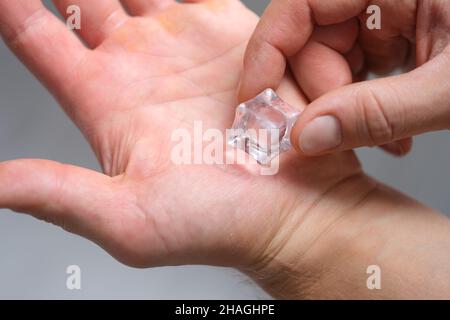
{"points": [[321, 134]]}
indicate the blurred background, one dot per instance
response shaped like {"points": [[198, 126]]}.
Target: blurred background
{"points": [[34, 255]]}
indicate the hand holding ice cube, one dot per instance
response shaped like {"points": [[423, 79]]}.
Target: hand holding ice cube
{"points": [[327, 45], [163, 68]]}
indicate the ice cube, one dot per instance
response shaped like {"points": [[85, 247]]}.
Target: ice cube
{"points": [[262, 126]]}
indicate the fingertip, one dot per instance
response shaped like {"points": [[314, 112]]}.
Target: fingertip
{"points": [[264, 67], [243, 90], [320, 135], [399, 148], [406, 145], [252, 83]]}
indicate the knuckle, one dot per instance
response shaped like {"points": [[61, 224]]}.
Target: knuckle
{"points": [[15, 35], [376, 124]]}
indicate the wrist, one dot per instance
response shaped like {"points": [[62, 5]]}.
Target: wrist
{"points": [[299, 254], [356, 224]]}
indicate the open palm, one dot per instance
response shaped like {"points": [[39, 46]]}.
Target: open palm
{"points": [[164, 67]]}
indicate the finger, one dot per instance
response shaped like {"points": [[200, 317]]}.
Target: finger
{"points": [[145, 7], [377, 112], [99, 18], [282, 32], [388, 48], [71, 197], [355, 59], [40, 40], [321, 66], [319, 69], [399, 148], [384, 55], [340, 37]]}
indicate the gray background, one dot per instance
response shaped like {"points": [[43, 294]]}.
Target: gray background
{"points": [[35, 255]]}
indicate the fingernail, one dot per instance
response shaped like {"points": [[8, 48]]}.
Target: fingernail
{"points": [[322, 134]]}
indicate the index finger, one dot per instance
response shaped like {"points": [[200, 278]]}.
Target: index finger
{"points": [[41, 41], [283, 31]]}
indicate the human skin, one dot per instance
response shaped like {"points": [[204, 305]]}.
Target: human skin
{"points": [[308, 232], [327, 44]]}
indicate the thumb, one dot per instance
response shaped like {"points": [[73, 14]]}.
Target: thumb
{"points": [[377, 112], [68, 196]]}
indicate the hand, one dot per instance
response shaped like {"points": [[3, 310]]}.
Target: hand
{"points": [[327, 43], [141, 78], [297, 233]]}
